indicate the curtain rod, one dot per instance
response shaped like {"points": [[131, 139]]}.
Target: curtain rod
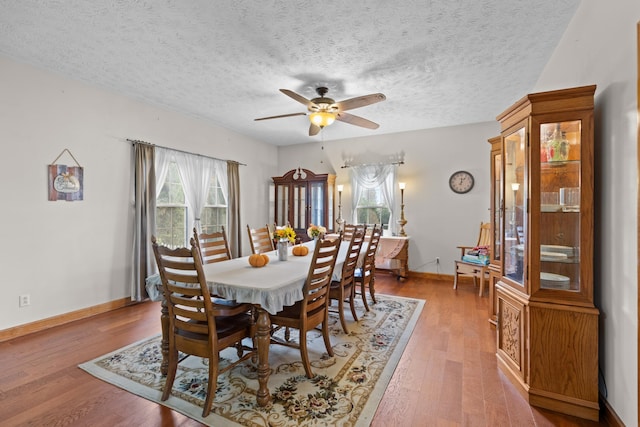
{"points": [[400, 162], [137, 141]]}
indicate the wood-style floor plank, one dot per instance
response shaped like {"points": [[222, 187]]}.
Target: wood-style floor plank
{"points": [[447, 376]]}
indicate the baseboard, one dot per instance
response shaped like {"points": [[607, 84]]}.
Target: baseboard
{"points": [[440, 277], [41, 325], [608, 415]]}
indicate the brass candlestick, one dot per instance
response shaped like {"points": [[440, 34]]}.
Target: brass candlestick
{"points": [[402, 221], [339, 220]]}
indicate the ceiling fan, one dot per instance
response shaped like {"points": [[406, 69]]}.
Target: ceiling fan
{"points": [[324, 111]]}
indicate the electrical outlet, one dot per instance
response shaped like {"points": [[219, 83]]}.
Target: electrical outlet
{"points": [[24, 300], [437, 260]]}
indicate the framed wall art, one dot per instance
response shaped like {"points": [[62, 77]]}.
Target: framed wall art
{"points": [[65, 182]]}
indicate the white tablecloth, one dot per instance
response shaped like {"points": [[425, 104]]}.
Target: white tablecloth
{"points": [[274, 286]]}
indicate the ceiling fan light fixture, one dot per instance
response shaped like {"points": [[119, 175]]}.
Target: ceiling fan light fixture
{"points": [[322, 118]]}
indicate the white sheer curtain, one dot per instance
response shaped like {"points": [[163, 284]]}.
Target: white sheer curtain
{"points": [[195, 172], [223, 179], [368, 177], [163, 160]]}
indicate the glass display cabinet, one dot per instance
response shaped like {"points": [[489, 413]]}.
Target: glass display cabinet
{"points": [[547, 325], [303, 198]]}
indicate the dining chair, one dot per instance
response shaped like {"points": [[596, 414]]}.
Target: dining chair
{"points": [[260, 239], [197, 326], [365, 274], [214, 247], [343, 290], [312, 310], [471, 265]]}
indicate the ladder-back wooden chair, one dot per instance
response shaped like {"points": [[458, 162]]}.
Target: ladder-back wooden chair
{"points": [[467, 266], [260, 239], [343, 290], [197, 326], [365, 275], [312, 311]]}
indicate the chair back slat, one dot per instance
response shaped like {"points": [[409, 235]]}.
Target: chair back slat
{"points": [[214, 247], [316, 287], [260, 239], [369, 263], [353, 256], [484, 238], [349, 229]]}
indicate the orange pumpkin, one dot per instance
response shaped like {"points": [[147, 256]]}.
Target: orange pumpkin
{"points": [[300, 250], [258, 260]]}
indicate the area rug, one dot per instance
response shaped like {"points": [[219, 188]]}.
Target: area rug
{"points": [[345, 392]]}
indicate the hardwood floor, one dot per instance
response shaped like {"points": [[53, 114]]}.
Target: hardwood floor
{"points": [[447, 376]]}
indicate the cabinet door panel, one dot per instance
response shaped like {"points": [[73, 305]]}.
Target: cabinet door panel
{"points": [[511, 329], [515, 211]]}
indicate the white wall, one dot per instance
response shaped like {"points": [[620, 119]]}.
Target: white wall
{"points": [[438, 219], [599, 47], [73, 255]]}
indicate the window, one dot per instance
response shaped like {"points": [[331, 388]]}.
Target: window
{"points": [[172, 212], [371, 208], [373, 193], [214, 213]]}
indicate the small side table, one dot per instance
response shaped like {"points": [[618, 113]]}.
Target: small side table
{"points": [[393, 254]]}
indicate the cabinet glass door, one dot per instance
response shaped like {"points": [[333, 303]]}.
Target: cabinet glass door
{"points": [[560, 205], [282, 204], [515, 213], [317, 204], [497, 207], [299, 206]]}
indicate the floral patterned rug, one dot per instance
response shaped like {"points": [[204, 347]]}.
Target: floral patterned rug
{"points": [[345, 391]]}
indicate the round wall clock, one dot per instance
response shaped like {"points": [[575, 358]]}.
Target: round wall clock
{"points": [[461, 182]]}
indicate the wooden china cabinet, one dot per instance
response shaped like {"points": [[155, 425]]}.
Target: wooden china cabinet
{"points": [[547, 324], [303, 198]]}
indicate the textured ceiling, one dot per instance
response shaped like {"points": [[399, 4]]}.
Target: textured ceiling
{"points": [[439, 63]]}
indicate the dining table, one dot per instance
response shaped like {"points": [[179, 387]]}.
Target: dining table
{"points": [[269, 289]]}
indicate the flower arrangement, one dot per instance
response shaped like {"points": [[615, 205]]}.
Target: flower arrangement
{"points": [[316, 231], [285, 233]]}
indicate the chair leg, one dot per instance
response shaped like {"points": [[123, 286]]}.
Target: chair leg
{"points": [[343, 322], [364, 296], [305, 355], [325, 334], [171, 375], [353, 308], [372, 288], [212, 385], [482, 276]]}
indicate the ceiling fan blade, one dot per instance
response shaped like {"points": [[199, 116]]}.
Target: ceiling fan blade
{"points": [[360, 101], [356, 120], [280, 116], [301, 99], [314, 130]]}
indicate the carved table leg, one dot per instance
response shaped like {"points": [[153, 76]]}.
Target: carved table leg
{"points": [[263, 338], [164, 346]]}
